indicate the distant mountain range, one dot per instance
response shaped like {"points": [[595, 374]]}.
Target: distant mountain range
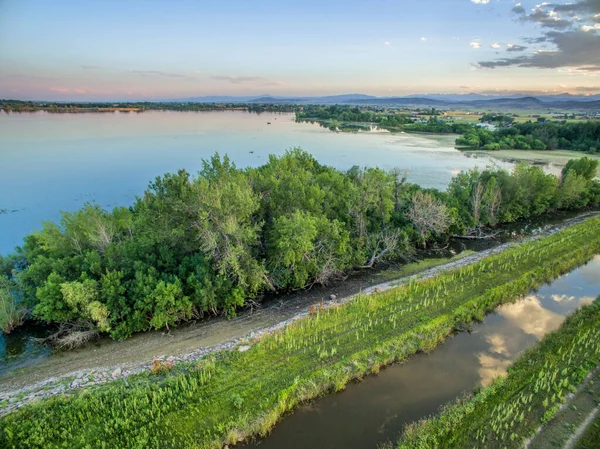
{"points": [[477, 101]]}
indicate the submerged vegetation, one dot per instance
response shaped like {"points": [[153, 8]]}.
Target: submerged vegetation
{"points": [[210, 243], [508, 411], [235, 394]]}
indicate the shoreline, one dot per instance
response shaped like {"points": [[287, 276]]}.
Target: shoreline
{"points": [[558, 158]]}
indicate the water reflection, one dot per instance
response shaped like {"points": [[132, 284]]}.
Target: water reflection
{"points": [[376, 410], [531, 317]]}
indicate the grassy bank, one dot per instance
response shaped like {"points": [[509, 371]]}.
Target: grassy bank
{"points": [[591, 436], [504, 414], [238, 394], [565, 425]]}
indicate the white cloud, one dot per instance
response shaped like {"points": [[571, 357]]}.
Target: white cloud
{"points": [[495, 45], [423, 39], [591, 27], [481, 2], [475, 44], [387, 43]]}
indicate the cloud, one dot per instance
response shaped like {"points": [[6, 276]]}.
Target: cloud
{"points": [[577, 48], [387, 43], [90, 67], [60, 90], [246, 80], [423, 39], [495, 45], [513, 47], [518, 9], [545, 17], [481, 2], [570, 41], [474, 44], [157, 73], [80, 91]]}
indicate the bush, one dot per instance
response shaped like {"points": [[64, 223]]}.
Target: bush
{"points": [[12, 313]]}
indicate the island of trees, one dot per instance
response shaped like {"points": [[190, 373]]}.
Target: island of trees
{"points": [[193, 245]]}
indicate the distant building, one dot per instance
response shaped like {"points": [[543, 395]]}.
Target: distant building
{"points": [[487, 126]]}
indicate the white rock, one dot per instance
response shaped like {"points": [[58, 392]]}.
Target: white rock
{"points": [[116, 372], [243, 348]]}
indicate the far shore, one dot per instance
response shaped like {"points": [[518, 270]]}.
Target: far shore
{"points": [[558, 158]]}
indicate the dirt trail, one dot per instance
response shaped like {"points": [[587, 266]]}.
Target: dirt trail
{"points": [[110, 359]]}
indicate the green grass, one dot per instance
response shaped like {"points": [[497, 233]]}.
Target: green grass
{"points": [[513, 407], [591, 437], [238, 394], [421, 265], [557, 431]]}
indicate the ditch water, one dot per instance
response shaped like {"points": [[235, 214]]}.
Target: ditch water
{"points": [[376, 410]]}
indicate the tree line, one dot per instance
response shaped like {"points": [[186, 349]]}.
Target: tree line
{"points": [[579, 136], [209, 243], [139, 106]]}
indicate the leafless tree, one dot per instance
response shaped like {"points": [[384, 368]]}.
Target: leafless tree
{"points": [[428, 215], [384, 244], [476, 200]]}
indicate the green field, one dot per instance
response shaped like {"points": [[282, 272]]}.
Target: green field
{"points": [[235, 394]]}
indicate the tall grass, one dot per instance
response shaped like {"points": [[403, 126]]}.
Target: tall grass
{"points": [[513, 407], [238, 394]]}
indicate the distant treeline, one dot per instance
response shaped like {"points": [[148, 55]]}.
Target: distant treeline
{"points": [[341, 117], [540, 135], [581, 136], [211, 243], [31, 106]]}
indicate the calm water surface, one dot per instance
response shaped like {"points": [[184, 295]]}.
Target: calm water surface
{"points": [[54, 162], [376, 410]]}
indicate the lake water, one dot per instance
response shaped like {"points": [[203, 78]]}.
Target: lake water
{"points": [[376, 410], [53, 162]]}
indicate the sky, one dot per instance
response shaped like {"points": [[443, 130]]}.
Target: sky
{"points": [[166, 49]]}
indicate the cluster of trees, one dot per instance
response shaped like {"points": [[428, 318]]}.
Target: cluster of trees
{"points": [[209, 243], [582, 136], [338, 113]]}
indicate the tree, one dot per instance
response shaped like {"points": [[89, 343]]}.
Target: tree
{"points": [[584, 166], [12, 311], [305, 249], [428, 215], [223, 204]]}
